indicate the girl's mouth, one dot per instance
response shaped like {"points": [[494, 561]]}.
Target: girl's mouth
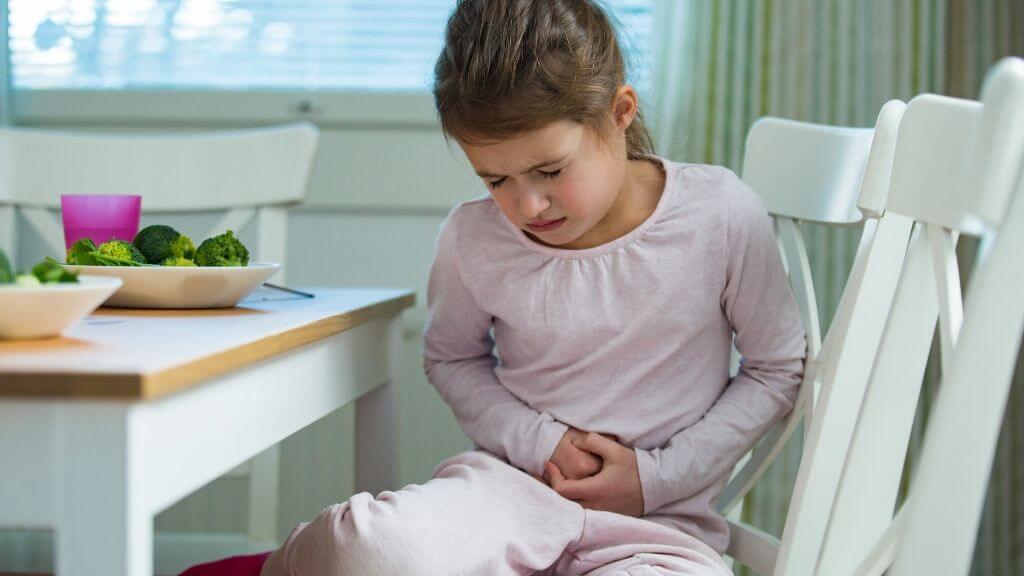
{"points": [[546, 226]]}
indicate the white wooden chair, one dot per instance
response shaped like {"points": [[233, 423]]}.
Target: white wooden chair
{"points": [[251, 174], [958, 170], [837, 176]]}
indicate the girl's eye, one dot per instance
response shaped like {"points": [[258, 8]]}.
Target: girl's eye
{"points": [[553, 174], [495, 183]]}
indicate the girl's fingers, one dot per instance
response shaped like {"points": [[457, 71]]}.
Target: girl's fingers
{"points": [[597, 444], [579, 490], [553, 474]]}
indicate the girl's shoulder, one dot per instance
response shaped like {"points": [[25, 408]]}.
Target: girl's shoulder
{"points": [[719, 188], [471, 218], [709, 179], [474, 226]]}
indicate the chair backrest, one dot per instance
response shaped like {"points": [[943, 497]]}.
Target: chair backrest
{"points": [[846, 165], [250, 173], [958, 166]]}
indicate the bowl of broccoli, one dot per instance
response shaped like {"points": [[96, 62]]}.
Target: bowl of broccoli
{"points": [[163, 268], [47, 299]]}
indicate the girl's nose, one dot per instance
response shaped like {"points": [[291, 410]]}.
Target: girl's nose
{"points": [[531, 204]]}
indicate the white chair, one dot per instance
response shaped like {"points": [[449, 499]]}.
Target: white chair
{"points": [[958, 170], [251, 174], [836, 176]]}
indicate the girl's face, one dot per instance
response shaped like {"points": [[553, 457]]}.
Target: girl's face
{"points": [[558, 183]]}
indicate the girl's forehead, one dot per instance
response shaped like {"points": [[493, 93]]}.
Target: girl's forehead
{"points": [[521, 153]]}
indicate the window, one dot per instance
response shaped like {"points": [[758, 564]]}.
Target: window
{"points": [[245, 44]]}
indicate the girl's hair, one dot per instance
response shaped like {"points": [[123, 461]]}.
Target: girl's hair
{"points": [[511, 66]]}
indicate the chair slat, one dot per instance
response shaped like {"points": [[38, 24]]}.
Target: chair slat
{"points": [[844, 375], [174, 172], [947, 282], [757, 548], [800, 280], [866, 496], [882, 554]]}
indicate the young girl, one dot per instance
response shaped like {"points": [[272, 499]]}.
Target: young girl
{"points": [[610, 283]]}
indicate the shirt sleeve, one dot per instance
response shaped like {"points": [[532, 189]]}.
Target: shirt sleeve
{"points": [[459, 361], [760, 306]]}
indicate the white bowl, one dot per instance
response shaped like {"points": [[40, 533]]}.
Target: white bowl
{"points": [[49, 309], [182, 287]]}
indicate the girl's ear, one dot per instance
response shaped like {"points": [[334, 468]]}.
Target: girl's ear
{"points": [[625, 104]]}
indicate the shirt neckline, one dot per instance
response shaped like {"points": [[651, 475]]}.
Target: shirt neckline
{"points": [[611, 245]]}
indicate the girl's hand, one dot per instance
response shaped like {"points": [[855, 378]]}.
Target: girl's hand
{"points": [[616, 488], [573, 462]]}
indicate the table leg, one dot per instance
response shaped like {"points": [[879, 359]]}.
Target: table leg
{"points": [[376, 441], [102, 528]]}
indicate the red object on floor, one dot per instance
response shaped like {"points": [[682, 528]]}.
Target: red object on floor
{"points": [[234, 566]]}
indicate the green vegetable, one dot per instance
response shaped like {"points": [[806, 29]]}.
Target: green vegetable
{"points": [[48, 271], [26, 280], [223, 250], [6, 270], [82, 253], [122, 251], [177, 261], [183, 248], [158, 243], [51, 272], [112, 253]]}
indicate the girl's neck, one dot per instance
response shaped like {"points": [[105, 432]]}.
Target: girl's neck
{"points": [[636, 201]]}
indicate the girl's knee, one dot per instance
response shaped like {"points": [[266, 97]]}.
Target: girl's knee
{"points": [[361, 536]]}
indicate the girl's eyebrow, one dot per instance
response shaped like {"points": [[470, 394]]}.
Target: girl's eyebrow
{"points": [[530, 169]]}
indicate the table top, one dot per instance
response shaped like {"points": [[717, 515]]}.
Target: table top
{"points": [[120, 353]]}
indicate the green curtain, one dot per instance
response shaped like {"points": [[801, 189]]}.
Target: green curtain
{"points": [[721, 64]]}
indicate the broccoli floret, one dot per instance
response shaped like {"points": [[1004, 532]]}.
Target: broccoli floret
{"points": [[223, 250], [121, 252], [160, 242], [113, 253], [182, 247], [177, 261]]}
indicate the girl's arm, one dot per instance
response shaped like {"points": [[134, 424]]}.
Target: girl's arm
{"points": [[769, 335], [459, 362]]}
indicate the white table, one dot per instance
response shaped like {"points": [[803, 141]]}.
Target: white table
{"points": [[132, 410]]}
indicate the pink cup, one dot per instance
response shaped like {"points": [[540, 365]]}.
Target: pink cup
{"points": [[100, 217]]}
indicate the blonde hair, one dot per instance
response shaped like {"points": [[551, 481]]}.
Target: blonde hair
{"points": [[511, 66]]}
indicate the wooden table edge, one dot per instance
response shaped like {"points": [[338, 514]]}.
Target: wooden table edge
{"points": [[147, 386]]}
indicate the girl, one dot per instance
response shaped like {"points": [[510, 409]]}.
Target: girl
{"points": [[610, 284]]}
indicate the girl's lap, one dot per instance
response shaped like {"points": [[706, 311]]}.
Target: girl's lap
{"points": [[479, 515]]}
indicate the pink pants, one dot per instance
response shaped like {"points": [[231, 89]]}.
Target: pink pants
{"points": [[481, 516]]}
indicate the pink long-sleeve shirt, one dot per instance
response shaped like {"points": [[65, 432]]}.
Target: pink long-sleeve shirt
{"points": [[630, 338]]}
